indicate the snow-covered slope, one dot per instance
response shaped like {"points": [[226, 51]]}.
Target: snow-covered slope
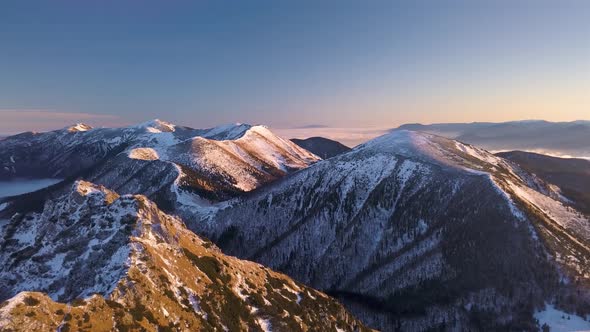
{"points": [[415, 231], [256, 157], [158, 159], [94, 260], [559, 321]]}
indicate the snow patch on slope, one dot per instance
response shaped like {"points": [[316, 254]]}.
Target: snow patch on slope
{"points": [[559, 321], [264, 324], [144, 154]]}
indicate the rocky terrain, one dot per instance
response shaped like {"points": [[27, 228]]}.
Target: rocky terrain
{"points": [[97, 261]]}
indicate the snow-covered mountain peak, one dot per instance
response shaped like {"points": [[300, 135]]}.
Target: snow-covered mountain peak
{"points": [[157, 126], [433, 148], [244, 156], [79, 127], [261, 130], [400, 141], [230, 131]]}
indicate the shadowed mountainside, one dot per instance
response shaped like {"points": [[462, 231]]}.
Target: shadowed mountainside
{"points": [[322, 147]]}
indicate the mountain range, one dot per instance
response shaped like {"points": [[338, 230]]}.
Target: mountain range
{"points": [[409, 231], [162, 161]]}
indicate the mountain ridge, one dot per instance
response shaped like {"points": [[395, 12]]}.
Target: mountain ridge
{"points": [[104, 261], [555, 138]]}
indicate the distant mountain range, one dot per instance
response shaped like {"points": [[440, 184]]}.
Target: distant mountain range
{"points": [[557, 138], [410, 231]]}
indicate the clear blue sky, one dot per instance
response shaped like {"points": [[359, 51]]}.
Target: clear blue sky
{"points": [[292, 63]]}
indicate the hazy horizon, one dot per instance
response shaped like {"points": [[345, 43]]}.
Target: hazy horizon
{"points": [[349, 136]]}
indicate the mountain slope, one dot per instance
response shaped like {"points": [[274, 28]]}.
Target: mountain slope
{"points": [[170, 164], [572, 176], [559, 138], [323, 147], [102, 261], [415, 231]]}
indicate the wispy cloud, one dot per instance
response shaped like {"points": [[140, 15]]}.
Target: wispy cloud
{"points": [[347, 136], [14, 121]]}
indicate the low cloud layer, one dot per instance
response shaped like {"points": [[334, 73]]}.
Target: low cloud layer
{"points": [[13, 121]]}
